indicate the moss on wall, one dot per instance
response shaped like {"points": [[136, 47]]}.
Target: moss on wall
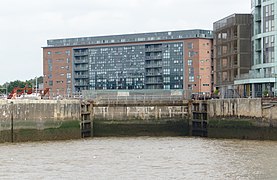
{"points": [[162, 127], [66, 130], [230, 123]]}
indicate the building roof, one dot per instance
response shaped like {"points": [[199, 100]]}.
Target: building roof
{"points": [[232, 20], [127, 38]]}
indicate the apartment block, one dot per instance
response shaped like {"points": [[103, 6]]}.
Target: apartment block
{"points": [[232, 52], [172, 60], [262, 79]]}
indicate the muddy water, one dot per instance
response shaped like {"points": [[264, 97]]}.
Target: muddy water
{"points": [[140, 158]]}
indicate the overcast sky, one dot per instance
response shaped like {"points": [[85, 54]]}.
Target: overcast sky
{"points": [[27, 24]]}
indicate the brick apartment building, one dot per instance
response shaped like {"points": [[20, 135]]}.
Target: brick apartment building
{"points": [[173, 60]]}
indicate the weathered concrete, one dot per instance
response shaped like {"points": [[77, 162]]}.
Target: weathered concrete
{"points": [[138, 112], [130, 120], [60, 119], [37, 115], [235, 108], [242, 118]]}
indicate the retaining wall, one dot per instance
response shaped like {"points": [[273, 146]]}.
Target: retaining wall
{"points": [[30, 117]]}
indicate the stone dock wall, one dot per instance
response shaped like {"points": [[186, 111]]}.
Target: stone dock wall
{"points": [[63, 119], [39, 119], [243, 118], [134, 119]]}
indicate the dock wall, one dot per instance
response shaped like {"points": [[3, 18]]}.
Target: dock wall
{"points": [[70, 119], [133, 120], [243, 118], [39, 119]]}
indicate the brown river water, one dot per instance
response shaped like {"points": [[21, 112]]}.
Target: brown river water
{"points": [[140, 158]]}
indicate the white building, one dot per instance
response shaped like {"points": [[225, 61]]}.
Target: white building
{"points": [[262, 78]]}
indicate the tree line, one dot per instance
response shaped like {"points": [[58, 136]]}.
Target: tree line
{"points": [[21, 84]]}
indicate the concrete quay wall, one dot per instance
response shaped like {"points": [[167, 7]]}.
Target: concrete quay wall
{"points": [[136, 120], [242, 119], [39, 119], [125, 112], [236, 108]]}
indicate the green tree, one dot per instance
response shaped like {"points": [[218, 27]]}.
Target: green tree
{"points": [[20, 84]]}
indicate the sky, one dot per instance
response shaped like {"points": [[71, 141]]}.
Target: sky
{"points": [[26, 25]]}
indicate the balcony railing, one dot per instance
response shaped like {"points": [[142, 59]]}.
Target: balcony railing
{"points": [[153, 65], [154, 82], [81, 69], [153, 49], [255, 76], [83, 76], [152, 57], [82, 53], [81, 84], [83, 61], [153, 74]]}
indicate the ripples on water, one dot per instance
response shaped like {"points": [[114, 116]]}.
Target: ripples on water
{"points": [[140, 158]]}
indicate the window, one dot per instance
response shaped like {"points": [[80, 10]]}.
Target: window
{"points": [[67, 52], [49, 52], [224, 62], [166, 86], [166, 71], [58, 52], [191, 53], [190, 45], [191, 78], [59, 82], [190, 62], [166, 79], [50, 83]]}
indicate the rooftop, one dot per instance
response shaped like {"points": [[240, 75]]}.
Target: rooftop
{"points": [[127, 38], [232, 20]]}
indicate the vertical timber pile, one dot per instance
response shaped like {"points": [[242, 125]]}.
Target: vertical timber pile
{"points": [[199, 119], [86, 120]]}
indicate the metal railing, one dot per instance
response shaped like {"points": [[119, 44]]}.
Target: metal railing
{"points": [[152, 57], [255, 76], [81, 69], [83, 53], [153, 65], [83, 76], [83, 61], [153, 49]]}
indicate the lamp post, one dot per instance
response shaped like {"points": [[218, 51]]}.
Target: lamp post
{"points": [[12, 121]]}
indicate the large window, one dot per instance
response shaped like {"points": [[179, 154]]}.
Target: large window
{"points": [[268, 18], [269, 49]]}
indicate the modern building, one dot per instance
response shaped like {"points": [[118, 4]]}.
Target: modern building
{"points": [[232, 52], [261, 80], [177, 60]]}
